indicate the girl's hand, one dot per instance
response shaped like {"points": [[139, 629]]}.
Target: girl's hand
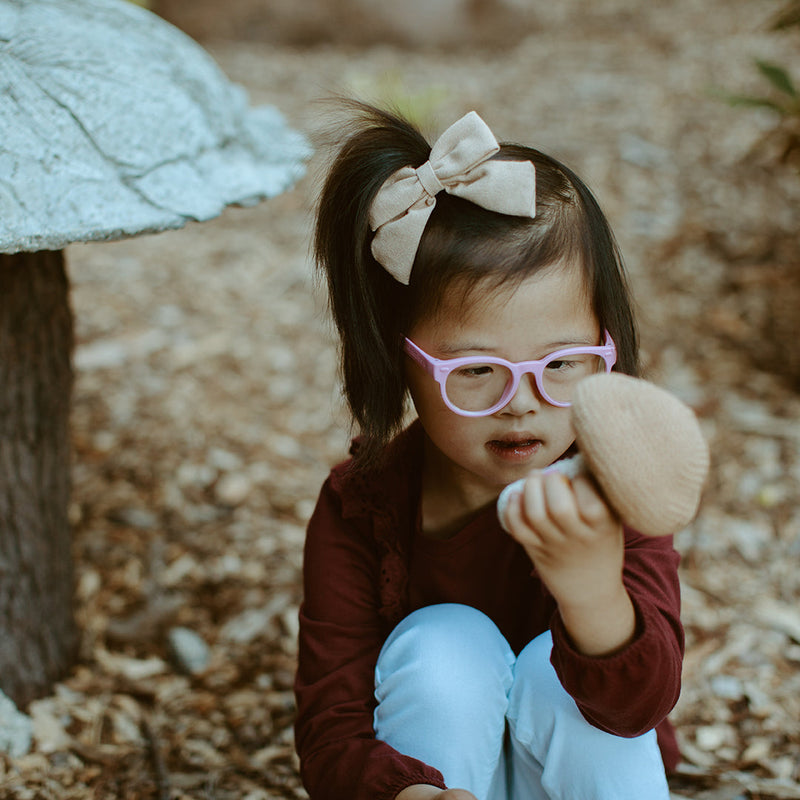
{"points": [[578, 547], [426, 792]]}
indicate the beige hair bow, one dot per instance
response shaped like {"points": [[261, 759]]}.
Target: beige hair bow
{"points": [[459, 163]]}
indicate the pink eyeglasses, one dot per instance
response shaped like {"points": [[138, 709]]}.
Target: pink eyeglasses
{"points": [[477, 387]]}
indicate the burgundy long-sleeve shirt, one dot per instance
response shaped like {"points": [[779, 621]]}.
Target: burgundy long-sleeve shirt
{"points": [[367, 565]]}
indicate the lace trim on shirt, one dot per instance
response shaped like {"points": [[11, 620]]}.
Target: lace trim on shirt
{"points": [[377, 496]]}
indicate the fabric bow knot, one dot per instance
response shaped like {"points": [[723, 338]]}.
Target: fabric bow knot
{"points": [[460, 165]]}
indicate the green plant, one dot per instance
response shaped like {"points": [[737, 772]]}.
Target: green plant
{"points": [[785, 100], [782, 97]]}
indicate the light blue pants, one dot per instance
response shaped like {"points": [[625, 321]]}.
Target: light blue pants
{"points": [[451, 693]]}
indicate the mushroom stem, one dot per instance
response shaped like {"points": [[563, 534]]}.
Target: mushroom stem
{"points": [[37, 628]]}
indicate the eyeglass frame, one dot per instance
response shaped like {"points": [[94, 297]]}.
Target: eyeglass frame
{"points": [[440, 369]]}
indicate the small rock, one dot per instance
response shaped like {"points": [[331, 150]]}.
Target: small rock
{"points": [[223, 460], [260, 472], [132, 669], [49, 726], [185, 566], [190, 653], [757, 750], [233, 489], [727, 687], [189, 474], [113, 353], [226, 566], [282, 359], [779, 616], [100, 355], [782, 768], [712, 737], [140, 518], [285, 446], [16, 729], [89, 584], [253, 622], [303, 509], [104, 441], [246, 626]]}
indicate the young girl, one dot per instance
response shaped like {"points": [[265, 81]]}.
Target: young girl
{"points": [[442, 658]]}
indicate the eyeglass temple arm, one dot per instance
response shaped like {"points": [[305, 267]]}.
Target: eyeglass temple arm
{"points": [[610, 360], [419, 356]]}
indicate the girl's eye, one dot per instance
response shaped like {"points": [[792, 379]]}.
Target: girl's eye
{"points": [[561, 364], [474, 371]]}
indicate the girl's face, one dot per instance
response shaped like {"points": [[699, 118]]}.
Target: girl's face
{"points": [[473, 458]]}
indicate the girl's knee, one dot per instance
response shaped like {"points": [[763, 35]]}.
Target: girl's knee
{"points": [[536, 654], [446, 651], [533, 671], [537, 697], [450, 636]]}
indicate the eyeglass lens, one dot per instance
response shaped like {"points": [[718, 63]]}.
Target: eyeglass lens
{"points": [[479, 386]]}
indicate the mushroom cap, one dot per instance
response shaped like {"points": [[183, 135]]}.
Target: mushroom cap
{"points": [[644, 447], [115, 123]]}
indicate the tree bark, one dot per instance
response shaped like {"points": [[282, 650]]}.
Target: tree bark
{"points": [[37, 628]]}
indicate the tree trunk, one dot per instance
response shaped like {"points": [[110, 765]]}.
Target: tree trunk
{"points": [[37, 628]]}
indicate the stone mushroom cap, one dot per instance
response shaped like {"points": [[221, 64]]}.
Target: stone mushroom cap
{"points": [[645, 449], [115, 123]]}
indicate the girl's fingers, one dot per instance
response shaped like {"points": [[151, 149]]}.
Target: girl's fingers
{"points": [[535, 506], [515, 522], [560, 501], [532, 500], [591, 505]]}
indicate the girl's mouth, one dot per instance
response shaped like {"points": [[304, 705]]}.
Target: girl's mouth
{"points": [[514, 449]]}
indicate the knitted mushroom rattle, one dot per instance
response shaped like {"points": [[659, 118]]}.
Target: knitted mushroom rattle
{"points": [[643, 447]]}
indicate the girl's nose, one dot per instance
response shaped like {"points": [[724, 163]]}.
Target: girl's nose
{"points": [[526, 399]]}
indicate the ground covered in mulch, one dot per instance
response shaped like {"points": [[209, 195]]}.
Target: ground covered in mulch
{"points": [[206, 411]]}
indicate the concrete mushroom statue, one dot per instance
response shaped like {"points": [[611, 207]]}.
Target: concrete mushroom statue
{"points": [[112, 123]]}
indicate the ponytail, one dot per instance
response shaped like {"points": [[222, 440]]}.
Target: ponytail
{"points": [[368, 306]]}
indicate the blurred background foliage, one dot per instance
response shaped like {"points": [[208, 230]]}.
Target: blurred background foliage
{"points": [[780, 95], [761, 284]]}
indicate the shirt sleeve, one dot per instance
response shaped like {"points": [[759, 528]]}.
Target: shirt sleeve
{"points": [[341, 633], [631, 691]]}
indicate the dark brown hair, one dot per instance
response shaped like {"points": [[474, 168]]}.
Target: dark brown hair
{"points": [[463, 245]]}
